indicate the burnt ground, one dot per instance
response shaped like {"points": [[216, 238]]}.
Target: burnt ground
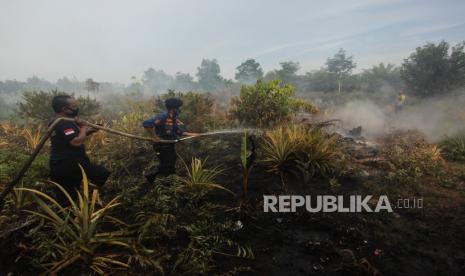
{"points": [[426, 241]]}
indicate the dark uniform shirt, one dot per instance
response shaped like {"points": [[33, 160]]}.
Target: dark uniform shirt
{"points": [[61, 148], [167, 129]]}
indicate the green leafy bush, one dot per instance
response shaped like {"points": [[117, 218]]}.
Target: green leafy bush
{"points": [[266, 103], [12, 161], [38, 105], [263, 104]]}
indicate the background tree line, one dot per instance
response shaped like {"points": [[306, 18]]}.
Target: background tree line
{"points": [[432, 69]]}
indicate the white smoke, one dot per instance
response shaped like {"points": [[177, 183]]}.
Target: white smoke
{"points": [[435, 117], [363, 113]]}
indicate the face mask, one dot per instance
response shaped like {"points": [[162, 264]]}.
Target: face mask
{"points": [[74, 112]]}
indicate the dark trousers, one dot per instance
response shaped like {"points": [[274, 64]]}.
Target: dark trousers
{"points": [[68, 174], [166, 154]]}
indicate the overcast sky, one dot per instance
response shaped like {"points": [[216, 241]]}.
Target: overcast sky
{"points": [[114, 40]]}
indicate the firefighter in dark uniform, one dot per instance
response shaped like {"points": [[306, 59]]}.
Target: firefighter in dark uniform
{"points": [[165, 126], [68, 150]]}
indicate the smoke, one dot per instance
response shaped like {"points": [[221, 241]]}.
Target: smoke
{"points": [[363, 113], [435, 117]]}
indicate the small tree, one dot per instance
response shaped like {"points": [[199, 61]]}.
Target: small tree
{"points": [[66, 84], [341, 66], [38, 105], [36, 83], [184, 82], [288, 71], [320, 80], [157, 80], [265, 103], [377, 76], [430, 70], [92, 86], [249, 72], [209, 76]]}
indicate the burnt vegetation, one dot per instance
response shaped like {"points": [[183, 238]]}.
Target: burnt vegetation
{"points": [[209, 219]]}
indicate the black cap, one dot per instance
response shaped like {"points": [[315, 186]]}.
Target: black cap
{"points": [[173, 103]]}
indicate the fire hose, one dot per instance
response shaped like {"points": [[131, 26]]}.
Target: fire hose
{"points": [[52, 127]]}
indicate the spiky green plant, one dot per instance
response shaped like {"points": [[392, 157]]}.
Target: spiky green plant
{"points": [[300, 149], [20, 198], [76, 232], [279, 150], [454, 147], [319, 152], [200, 180]]}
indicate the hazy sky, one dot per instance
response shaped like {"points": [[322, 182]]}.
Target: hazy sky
{"points": [[114, 40]]}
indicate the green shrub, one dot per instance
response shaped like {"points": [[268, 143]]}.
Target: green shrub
{"points": [[12, 161], [454, 147], [38, 105], [266, 103]]}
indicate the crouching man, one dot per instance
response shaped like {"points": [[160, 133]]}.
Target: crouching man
{"points": [[68, 150], [165, 126]]}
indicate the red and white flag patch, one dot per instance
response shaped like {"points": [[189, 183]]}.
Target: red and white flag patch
{"points": [[69, 131]]}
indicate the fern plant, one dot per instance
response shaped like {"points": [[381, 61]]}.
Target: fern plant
{"points": [[150, 223], [208, 238]]}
